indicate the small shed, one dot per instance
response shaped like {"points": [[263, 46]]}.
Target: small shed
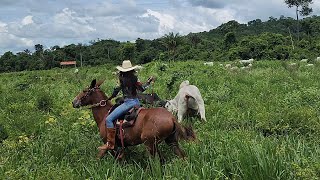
{"points": [[68, 63]]}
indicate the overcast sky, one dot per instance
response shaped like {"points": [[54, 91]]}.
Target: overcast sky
{"points": [[24, 23]]}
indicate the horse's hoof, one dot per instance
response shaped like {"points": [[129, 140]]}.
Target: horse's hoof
{"points": [[120, 156], [101, 154]]}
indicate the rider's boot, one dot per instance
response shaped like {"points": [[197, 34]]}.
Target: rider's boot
{"points": [[111, 133]]}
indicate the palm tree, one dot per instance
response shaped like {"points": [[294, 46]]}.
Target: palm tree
{"points": [[27, 51], [171, 41]]}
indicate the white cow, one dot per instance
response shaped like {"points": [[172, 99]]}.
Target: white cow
{"points": [[304, 60], [249, 61], [247, 67], [208, 63], [188, 97]]}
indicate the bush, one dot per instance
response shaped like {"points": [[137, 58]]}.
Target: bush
{"points": [[44, 102]]}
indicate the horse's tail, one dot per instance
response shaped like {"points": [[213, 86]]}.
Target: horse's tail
{"points": [[183, 132]]}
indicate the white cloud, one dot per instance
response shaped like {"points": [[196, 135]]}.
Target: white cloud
{"points": [[109, 8], [3, 27], [70, 22], [27, 20], [166, 21], [10, 42]]}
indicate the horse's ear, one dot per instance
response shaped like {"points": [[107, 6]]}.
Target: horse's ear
{"points": [[99, 83], [93, 83]]}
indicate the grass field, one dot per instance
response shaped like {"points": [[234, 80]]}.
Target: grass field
{"points": [[262, 123]]}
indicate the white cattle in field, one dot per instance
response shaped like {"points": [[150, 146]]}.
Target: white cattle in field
{"points": [[188, 97], [208, 63], [304, 60], [247, 67], [309, 65], [318, 59], [249, 61], [234, 68]]}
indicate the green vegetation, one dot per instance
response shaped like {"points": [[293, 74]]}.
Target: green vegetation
{"points": [[262, 123], [276, 39]]}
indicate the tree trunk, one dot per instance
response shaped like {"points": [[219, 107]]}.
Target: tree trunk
{"points": [[291, 39], [298, 29], [80, 59]]}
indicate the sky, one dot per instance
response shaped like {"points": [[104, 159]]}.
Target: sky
{"points": [[24, 23]]}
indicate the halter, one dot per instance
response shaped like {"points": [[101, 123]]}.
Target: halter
{"points": [[102, 103]]}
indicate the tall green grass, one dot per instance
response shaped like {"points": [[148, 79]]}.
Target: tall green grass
{"points": [[262, 123]]}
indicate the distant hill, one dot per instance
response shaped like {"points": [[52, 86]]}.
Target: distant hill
{"points": [[273, 39]]}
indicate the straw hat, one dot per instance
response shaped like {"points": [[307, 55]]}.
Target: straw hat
{"points": [[126, 66]]}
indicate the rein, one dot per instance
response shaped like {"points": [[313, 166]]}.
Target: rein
{"points": [[102, 103]]}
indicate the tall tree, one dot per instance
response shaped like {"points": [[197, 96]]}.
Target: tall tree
{"points": [[38, 48], [229, 39], [171, 41], [302, 8], [195, 40], [128, 50], [140, 45], [27, 51]]}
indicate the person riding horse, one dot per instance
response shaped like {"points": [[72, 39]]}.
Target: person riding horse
{"points": [[129, 85]]}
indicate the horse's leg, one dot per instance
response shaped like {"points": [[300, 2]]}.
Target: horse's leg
{"points": [[119, 154], [159, 153], [152, 147], [101, 154], [172, 141]]}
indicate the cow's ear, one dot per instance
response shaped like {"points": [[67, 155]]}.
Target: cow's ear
{"points": [[93, 83], [167, 104]]}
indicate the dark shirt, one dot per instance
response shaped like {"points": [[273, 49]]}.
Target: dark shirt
{"points": [[127, 91]]}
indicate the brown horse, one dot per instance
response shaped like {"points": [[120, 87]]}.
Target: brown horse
{"points": [[151, 127]]}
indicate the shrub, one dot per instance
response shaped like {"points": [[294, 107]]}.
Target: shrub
{"points": [[44, 102]]}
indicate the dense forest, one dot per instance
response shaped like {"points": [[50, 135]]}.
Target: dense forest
{"points": [[275, 39]]}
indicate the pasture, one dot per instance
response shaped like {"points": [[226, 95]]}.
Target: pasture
{"points": [[262, 123]]}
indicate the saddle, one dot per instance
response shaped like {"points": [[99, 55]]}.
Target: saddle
{"points": [[128, 119]]}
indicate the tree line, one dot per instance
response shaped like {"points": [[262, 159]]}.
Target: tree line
{"points": [[275, 39]]}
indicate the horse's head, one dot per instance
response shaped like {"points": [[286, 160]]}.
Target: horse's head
{"points": [[89, 96]]}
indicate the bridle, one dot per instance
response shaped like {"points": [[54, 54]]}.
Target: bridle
{"points": [[102, 103]]}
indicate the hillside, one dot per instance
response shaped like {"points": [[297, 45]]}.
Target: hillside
{"points": [[262, 123], [275, 39]]}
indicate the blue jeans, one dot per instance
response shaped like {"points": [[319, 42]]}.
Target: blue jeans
{"points": [[121, 110]]}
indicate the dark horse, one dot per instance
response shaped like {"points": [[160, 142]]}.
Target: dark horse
{"points": [[151, 127]]}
